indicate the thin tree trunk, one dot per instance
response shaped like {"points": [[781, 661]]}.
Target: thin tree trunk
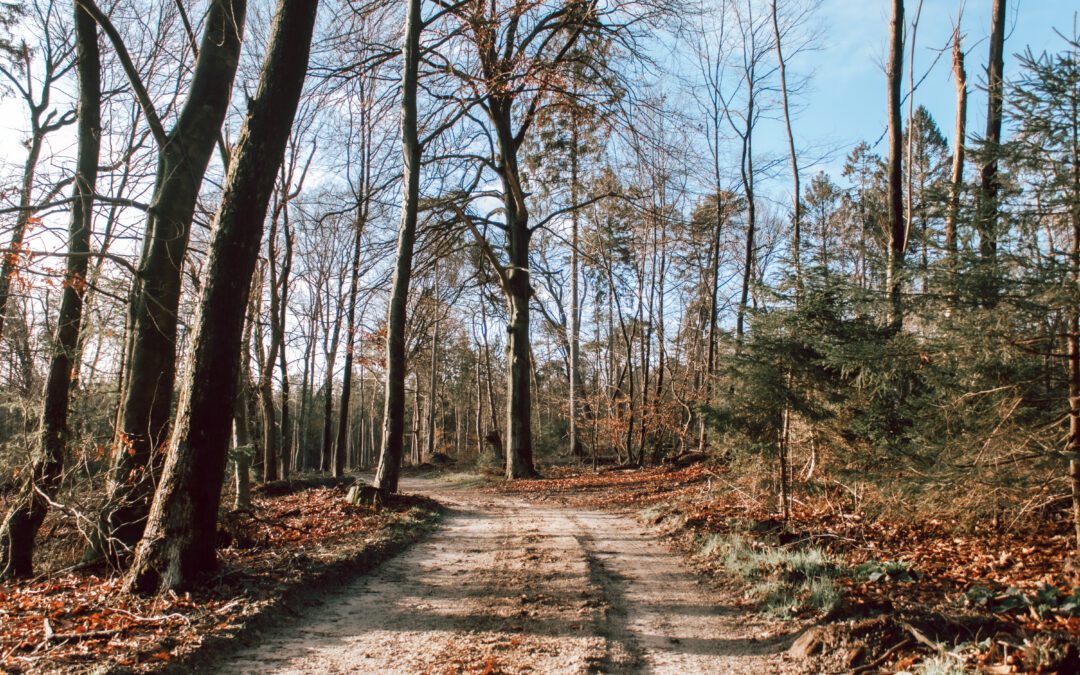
{"points": [[429, 433], [350, 339], [747, 169], [956, 181], [796, 202], [24, 518], [1073, 447], [575, 443], [909, 165], [178, 546], [987, 215], [241, 420], [278, 326], [897, 226], [393, 436], [714, 294]]}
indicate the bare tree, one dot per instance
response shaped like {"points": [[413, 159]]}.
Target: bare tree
{"points": [[28, 510], [179, 544], [183, 155]]}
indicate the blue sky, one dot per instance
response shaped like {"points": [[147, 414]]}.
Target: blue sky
{"points": [[845, 103]]}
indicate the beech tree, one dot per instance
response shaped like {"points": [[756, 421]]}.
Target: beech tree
{"points": [[519, 55], [150, 370], [393, 434], [178, 546], [27, 511]]}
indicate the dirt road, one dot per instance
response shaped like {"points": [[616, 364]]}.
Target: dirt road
{"points": [[508, 586]]}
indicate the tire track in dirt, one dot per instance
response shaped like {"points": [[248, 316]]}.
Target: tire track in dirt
{"points": [[516, 587]]}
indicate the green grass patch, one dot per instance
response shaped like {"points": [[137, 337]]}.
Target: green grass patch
{"points": [[787, 582]]}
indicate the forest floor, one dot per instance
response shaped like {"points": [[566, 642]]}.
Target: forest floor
{"points": [[297, 535], [508, 585], [654, 570], [868, 594]]}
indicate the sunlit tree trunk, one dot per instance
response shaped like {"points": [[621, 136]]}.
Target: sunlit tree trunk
{"points": [[393, 436], [178, 547], [151, 365], [987, 212], [897, 226], [956, 180], [342, 445]]}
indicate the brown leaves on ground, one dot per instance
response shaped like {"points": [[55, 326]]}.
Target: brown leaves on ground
{"points": [[81, 620]]}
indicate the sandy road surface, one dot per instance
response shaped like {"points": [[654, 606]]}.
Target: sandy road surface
{"points": [[508, 586]]}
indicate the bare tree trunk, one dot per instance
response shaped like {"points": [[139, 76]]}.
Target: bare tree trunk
{"points": [[178, 546], [897, 226], [27, 511], [155, 298], [302, 463], [714, 294], [909, 165], [416, 420], [386, 477], [429, 433], [518, 291], [479, 407], [956, 181], [241, 421], [1073, 447], [575, 442], [987, 215], [493, 436], [796, 205], [350, 340], [747, 169], [278, 326]]}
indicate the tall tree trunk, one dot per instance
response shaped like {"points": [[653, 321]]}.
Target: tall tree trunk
{"points": [[393, 436], [302, 463], [517, 291], [956, 180], [350, 342], [267, 360], [28, 509], [178, 546], [987, 212], [415, 435], [278, 326], [494, 437], [714, 295], [897, 226], [241, 420], [747, 170], [155, 297], [575, 379], [796, 202], [433, 380], [661, 349], [1073, 445], [912, 132]]}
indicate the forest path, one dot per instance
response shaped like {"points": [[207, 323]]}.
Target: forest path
{"points": [[516, 587]]}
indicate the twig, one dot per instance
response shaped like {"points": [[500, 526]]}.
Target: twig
{"points": [[88, 635], [883, 658], [918, 635], [151, 619]]}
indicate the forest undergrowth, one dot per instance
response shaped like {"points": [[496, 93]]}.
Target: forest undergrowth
{"points": [[77, 620], [888, 590]]}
